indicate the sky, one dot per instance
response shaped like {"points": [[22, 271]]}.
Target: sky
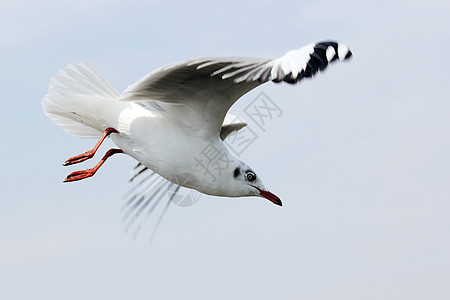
{"points": [[360, 156]]}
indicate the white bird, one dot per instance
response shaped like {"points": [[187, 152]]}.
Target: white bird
{"points": [[175, 114]]}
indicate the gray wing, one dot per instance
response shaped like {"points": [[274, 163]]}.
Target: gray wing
{"points": [[208, 87], [231, 124]]}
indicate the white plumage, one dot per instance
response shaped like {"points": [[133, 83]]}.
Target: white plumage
{"points": [[168, 118]]}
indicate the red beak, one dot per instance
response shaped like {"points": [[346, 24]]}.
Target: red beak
{"points": [[268, 195]]}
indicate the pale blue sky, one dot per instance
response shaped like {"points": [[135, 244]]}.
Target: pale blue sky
{"points": [[360, 157]]}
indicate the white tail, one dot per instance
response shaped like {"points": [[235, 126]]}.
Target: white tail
{"points": [[74, 94]]}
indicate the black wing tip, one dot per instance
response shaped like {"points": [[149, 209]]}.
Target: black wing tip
{"points": [[328, 43], [323, 45], [318, 61], [289, 78], [349, 55]]}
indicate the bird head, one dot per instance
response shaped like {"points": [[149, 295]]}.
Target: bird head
{"points": [[245, 182]]}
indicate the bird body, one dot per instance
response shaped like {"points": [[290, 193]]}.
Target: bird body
{"points": [[143, 130], [173, 121]]}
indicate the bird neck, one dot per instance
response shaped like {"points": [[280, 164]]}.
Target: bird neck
{"points": [[213, 168]]}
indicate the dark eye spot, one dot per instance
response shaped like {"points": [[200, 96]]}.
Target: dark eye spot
{"points": [[251, 176], [236, 172]]}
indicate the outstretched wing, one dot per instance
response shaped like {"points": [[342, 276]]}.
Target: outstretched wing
{"points": [[198, 93]]}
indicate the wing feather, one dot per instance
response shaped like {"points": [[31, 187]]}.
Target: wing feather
{"points": [[208, 87]]}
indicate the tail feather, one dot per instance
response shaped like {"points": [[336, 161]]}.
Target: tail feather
{"points": [[73, 95]]}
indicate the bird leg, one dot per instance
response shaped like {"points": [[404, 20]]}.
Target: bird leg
{"points": [[89, 154], [78, 175]]}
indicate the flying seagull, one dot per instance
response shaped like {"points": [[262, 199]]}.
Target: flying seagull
{"points": [[177, 113]]}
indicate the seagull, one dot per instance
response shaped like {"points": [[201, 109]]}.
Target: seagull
{"points": [[174, 120]]}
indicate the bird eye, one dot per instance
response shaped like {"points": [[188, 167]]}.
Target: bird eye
{"points": [[251, 176]]}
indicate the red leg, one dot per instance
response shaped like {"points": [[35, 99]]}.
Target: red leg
{"points": [[89, 154], [78, 175]]}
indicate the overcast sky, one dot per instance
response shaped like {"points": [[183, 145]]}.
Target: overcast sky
{"points": [[360, 156]]}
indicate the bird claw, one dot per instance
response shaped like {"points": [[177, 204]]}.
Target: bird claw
{"points": [[78, 175], [79, 158], [89, 154]]}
